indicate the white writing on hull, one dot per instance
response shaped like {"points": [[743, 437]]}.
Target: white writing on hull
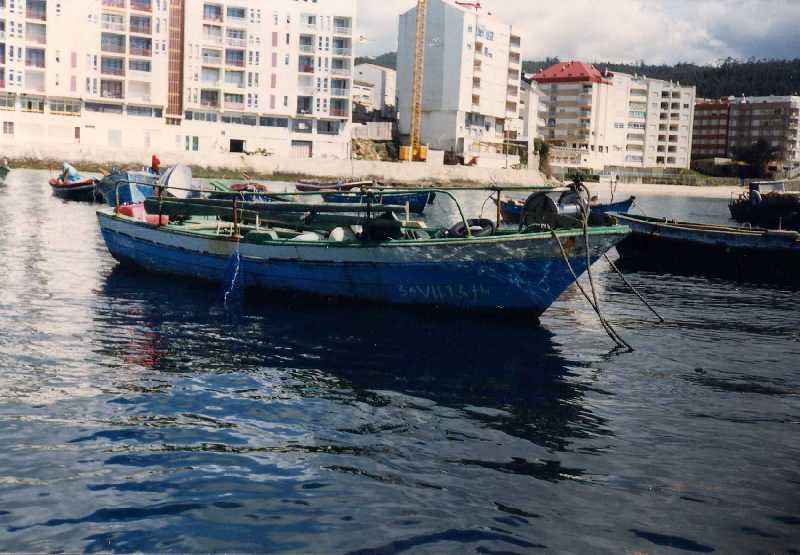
{"points": [[445, 292]]}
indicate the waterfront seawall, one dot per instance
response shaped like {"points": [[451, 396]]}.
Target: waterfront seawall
{"points": [[256, 165]]}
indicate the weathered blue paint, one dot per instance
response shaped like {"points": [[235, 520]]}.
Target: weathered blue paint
{"points": [[529, 284], [133, 188], [416, 201], [512, 212]]}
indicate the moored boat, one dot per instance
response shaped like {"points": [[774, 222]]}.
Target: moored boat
{"points": [[511, 210], [315, 186], [4, 171], [83, 190], [417, 202], [767, 204], [722, 251], [368, 259]]}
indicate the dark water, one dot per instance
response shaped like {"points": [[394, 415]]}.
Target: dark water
{"points": [[137, 415]]}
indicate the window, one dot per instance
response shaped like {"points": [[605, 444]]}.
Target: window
{"points": [[274, 122], [8, 128], [65, 107]]}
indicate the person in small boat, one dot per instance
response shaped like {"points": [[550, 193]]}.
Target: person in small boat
{"points": [[155, 165], [69, 174]]}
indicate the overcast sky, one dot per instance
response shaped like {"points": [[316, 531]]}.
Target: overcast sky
{"points": [[657, 31]]}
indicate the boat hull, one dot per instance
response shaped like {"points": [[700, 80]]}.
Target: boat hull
{"points": [[512, 212], [81, 191], [523, 274], [716, 251], [128, 188], [417, 202]]}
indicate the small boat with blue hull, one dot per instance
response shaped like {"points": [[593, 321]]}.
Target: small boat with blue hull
{"points": [[417, 202], [411, 264], [511, 210], [80, 191], [122, 187], [747, 254]]}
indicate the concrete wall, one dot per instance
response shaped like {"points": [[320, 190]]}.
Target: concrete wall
{"points": [[408, 173]]}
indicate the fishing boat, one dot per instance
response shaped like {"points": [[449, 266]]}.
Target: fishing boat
{"points": [[511, 210], [372, 256], [82, 190], [417, 202], [767, 204], [722, 251], [122, 187], [4, 171], [305, 186]]}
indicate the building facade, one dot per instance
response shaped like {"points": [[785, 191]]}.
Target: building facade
{"points": [[775, 119], [205, 76], [597, 120], [384, 87], [711, 128], [471, 83]]}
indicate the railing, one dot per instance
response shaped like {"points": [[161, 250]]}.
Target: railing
{"points": [[342, 51], [239, 106], [116, 95], [212, 16], [209, 103], [114, 4], [234, 63], [213, 60], [141, 5], [139, 51], [307, 48], [339, 113], [342, 30], [211, 83], [340, 92], [113, 26], [213, 39], [341, 71], [120, 71], [305, 68], [33, 13], [141, 29], [113, 47], [238, 43]]}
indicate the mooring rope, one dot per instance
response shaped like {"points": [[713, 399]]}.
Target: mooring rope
{"points": [[632, 288], [593, 299]]}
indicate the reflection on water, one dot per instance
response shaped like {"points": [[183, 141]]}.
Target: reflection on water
{"points": [[137, 414]]}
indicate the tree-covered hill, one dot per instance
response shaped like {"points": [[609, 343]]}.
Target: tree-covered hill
{"points": [[728, 78]]}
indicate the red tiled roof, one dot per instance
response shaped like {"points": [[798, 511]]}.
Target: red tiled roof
{"points": [[570, 72]]}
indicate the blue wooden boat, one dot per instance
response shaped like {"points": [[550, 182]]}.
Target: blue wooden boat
{"points": [[80, 191], [511, 210], [417, 202], [122, 187], [377, 260], [747, 254]]}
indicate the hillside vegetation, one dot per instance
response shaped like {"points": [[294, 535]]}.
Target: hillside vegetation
{"points": [[728, 78]]}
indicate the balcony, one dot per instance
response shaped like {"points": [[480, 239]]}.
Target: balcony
{"points": [[209, 99], [112, 43], [340, 112], [114, 67], [141, 25], [111, 89], [341, 71], [342, 26], [234, 105], [211, 59], [143, 51], [305, 68], [36, 13], [113, 24], [340, 92], [236, 16], [212, 13], [142, 5], [236, 42], [307, 48], [342, 52], [234, 61], [516, 42], [119, 4]]}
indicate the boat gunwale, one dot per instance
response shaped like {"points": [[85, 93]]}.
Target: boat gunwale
{"points": [[617, 229], [710, 228]]}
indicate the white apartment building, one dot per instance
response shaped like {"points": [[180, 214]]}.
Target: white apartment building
{"points": [[199, 75], [384, 87], [596, 121], [471, 80]]}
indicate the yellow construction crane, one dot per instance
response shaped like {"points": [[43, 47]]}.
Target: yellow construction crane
{"points": [[416, 151]]}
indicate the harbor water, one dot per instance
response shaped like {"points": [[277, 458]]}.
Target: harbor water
{"points": [[138, 414]]}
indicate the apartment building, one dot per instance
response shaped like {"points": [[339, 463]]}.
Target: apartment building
{"points": [[711, 128], [775, 119], [472, 77], [384, 87], [203, 76], [597, 120]]}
